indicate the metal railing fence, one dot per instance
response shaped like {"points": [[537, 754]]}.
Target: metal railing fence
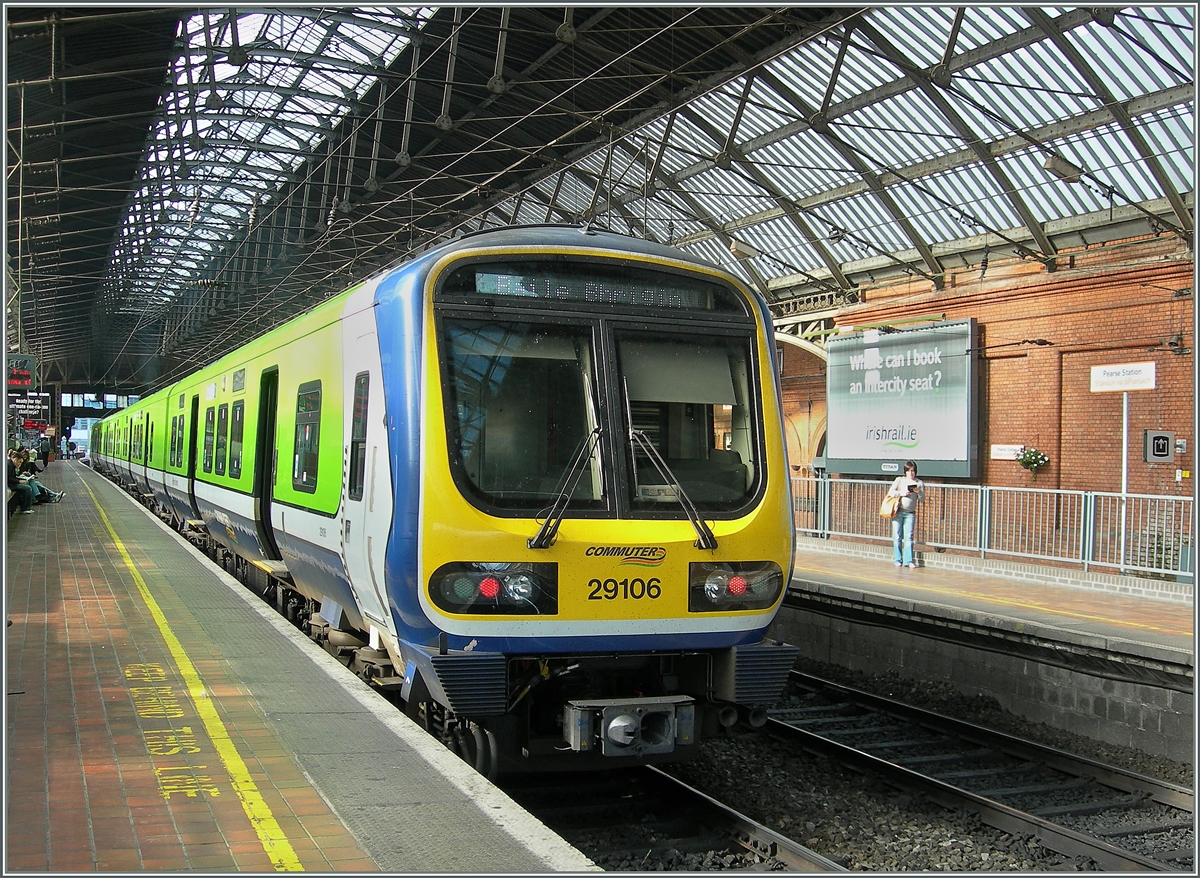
{"points": [[1148, 535]]}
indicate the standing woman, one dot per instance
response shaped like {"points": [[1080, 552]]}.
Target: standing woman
{"points": [[911, 491]]}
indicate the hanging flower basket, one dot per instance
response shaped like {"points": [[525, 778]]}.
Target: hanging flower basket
{"points": [[1032, 459]]}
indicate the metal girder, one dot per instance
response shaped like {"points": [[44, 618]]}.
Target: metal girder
{"points": [[1108, 99], [932, 91], [933, 268], [815, 121]]}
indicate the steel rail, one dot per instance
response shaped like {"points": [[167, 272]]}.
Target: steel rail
{"points": [[753, 835], [1050, 835], [1161, 791]]}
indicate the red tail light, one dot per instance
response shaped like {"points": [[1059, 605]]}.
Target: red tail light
{"points": [[495, 588], [733, 585]]}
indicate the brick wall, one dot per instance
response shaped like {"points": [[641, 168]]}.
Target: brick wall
{"points": [[1108, 304], [803, 386]]}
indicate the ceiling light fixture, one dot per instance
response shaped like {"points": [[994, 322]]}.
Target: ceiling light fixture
{"points": [[1063, 169], [742, 250]]}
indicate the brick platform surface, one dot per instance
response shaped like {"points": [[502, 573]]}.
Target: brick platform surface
{"points": [[160, 719]]}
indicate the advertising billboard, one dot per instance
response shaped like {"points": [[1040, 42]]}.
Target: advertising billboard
{"points": [[903, 394]]}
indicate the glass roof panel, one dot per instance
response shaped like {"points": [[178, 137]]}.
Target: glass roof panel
{"points": [[804, 165], [1050, 197], [1114, 162], [899, 131], [1135, 56], [868, 228], [781, 238], [719, 107], [1021, 91], [807, 71], [765, 112], [728, 194], [1171, 134], [687, 145], [922, 32], [932, 219], [255, 122]]}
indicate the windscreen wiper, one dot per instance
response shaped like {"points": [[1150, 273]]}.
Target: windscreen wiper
{"points": [[704, 535], [544, 538]]}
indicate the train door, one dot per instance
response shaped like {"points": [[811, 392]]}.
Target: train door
{"points": [[193, 421], [144, 462], [366, 504], [265, 457], [127, 451]]}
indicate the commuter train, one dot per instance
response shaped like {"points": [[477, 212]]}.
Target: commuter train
{"points": [[533, 482]]}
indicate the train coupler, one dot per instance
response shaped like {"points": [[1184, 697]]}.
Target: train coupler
{"points": [[630, 726]]}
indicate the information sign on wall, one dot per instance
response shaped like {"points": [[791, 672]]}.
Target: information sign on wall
{"points": [[904, 394], [1122, 377]]}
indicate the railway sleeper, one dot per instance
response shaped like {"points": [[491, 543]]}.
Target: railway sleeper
{"points": [[908, 743], [1035, 789], [963, 756], [1087, 808], [874, 729], [1146, 829], [1023, 768]]}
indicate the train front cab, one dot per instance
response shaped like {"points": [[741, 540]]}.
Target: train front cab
{"points": [[605, 530]]}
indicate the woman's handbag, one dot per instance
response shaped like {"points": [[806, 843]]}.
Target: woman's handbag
{"points": [[889, 506]]}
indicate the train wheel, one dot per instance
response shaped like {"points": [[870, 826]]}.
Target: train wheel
{"points": [[486, 751], [464, 745]]}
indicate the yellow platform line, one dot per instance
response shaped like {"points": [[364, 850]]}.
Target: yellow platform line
{"points": [[269, 832], [1012, 603]]}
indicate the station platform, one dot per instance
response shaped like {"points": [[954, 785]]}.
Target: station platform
{"points": [[1125, 612], [160, 717]]}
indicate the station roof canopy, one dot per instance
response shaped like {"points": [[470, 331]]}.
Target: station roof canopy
{"points": [[180, 179]]}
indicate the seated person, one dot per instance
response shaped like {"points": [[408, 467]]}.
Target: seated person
{"points": [[21, 491], [26, 466]]}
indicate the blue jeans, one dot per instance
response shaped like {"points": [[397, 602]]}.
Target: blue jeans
{"points": [[902, 536], [24, 495]]}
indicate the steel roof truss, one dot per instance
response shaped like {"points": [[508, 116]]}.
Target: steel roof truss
{"points": [[1105, 96], [1005, 186]]}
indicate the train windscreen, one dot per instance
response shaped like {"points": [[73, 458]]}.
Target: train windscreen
{"points": [[690, 399], [523, 403]]}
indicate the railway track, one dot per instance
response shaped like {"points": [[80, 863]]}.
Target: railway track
{"points": [[1074, 806], [645, 820]]}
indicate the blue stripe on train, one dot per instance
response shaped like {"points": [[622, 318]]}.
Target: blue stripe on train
{"points": [[399, 317]]}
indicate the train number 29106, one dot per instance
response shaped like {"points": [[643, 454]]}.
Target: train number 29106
{"points": [[637, 589]]}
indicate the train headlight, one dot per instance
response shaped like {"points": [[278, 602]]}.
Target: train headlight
{"points": [[519, 587], [744, 585], [495, 588]]}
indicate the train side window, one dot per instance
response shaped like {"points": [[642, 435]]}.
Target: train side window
{"points": [[174, 433], [308, 436], [180, 439], [238, 422], [222, 436], [210, 423], [358, 436]]}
